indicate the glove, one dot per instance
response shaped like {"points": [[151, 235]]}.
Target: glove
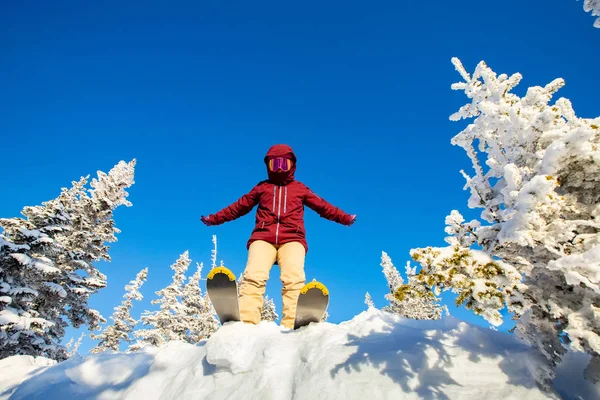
{"points": [[206, 221], [352, 219]]}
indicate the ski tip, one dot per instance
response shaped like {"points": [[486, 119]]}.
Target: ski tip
{"points": [[315, 285], [221, 270]]}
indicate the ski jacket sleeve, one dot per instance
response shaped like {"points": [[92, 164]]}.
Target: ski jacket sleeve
{"points": [[243, 206], [325, 209]]}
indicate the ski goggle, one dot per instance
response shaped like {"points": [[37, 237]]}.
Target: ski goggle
{"points": [[284, 164]]}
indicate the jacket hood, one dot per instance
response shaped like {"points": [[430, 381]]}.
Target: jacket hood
{"points": [[281, 150]]}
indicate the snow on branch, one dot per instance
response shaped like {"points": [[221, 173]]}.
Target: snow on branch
{"points": [[110, 188], [593, 6]]}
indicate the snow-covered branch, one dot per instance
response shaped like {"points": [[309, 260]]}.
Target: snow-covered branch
{"points": [[593, 6]]}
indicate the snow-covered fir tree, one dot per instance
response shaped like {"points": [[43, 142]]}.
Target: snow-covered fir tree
{"points": [[166, 324], [369, 301], [123, 322], [537, 174], [197, 314], [593, 6], [24, 275], [69, 345], [93, 228], [392, 276], [268, 312], [411, 300], [46, 263], [72, 346], [209, 315]]}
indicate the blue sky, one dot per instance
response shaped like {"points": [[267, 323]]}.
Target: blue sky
{"points": [[198, 91]]}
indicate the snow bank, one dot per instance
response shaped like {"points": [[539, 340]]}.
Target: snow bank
{"points": [[15, 370], [375, 356]]}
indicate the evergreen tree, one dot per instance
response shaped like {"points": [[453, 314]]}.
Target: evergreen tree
{"points": [[268, 312], [123, 322], [72, 347], [166, 323], [46, 264], [369, 301], [411, 300], [197, 314], [537, 173]]}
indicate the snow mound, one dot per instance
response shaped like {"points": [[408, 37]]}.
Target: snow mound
{"points": [[14, 370], [375, 355]]}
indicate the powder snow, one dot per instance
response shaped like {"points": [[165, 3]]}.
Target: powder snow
{"points": [[376, 355]]}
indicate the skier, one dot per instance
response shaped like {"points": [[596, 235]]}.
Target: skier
{"points": [[278, 236]]}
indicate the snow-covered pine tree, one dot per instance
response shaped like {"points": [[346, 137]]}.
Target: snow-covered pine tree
{"points": [[193, 306], [411, 300], [197, 314], [123, 322], [72, 347], [166, 323], [46, 271], [593, 6], [537, 173], [209, 310], [392, 276], [268, 312], [369, 301], [26, 279], [69, 345], [92, 228]]}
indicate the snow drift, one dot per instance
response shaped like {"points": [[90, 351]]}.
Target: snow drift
{"points": [[376, 355]]}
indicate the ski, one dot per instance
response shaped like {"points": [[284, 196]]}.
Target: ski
{"points": [[312, 304], [221, 287]]}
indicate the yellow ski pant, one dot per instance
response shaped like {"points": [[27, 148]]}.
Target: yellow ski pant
{"points": [[261, 257]]}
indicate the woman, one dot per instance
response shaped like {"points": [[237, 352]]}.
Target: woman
{"points": [[279, 235]]}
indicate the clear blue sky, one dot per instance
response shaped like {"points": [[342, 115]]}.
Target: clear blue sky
{"points": [[198, 91]]}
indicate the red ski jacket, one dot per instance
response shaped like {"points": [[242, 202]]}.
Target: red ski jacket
{"points": [[281, 200]]}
